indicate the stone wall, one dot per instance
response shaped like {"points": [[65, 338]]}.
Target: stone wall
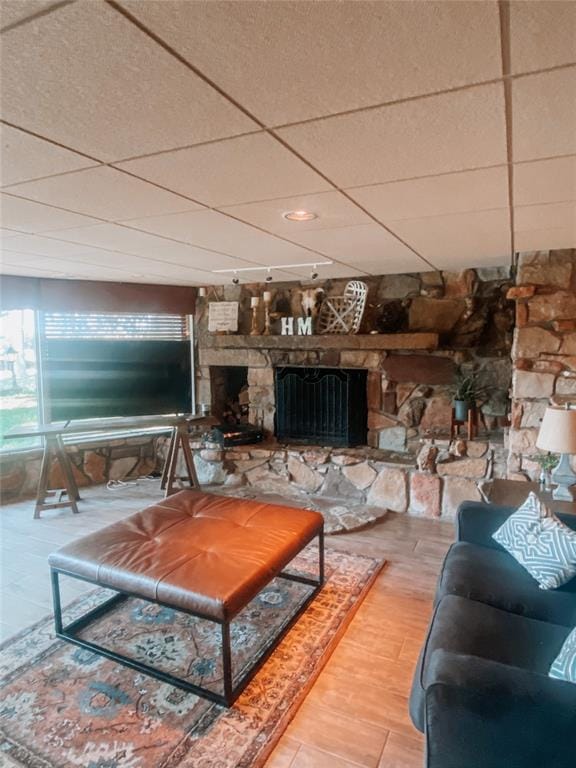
{"points": [[431, 483], [92, 463], [409, 391], [544, 350]]}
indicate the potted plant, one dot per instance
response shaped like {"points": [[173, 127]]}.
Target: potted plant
{"points": [[547, 463], [467, 391]]}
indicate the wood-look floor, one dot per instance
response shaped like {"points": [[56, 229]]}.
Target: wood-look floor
{"points": [[356, 715]]}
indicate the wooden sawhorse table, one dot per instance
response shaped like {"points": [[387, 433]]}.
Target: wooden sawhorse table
{"points": [[54, 450]]}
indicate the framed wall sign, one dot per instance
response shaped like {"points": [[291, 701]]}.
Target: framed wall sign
{"points": [[223, 316]]}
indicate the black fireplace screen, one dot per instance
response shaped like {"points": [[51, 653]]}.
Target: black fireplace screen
{"points": [[322, 406]]}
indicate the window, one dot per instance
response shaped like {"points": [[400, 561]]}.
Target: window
{"points": [[93, 365], [18, 376]]}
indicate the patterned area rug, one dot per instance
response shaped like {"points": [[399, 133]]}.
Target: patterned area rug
{"points": [[64, 707]]}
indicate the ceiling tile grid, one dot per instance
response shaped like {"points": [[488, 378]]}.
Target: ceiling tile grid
{"points": [[101, 86], [545, 181], [332, 210], [544, 115], [239, 170], [329, 57], [437, 134], [435, 195], [167, 139], [15, 11], [484, 236], [103, 193], [24, 157], [36, 218], [542, 34]]}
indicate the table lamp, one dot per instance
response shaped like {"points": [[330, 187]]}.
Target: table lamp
{"points": [[558, 434]]}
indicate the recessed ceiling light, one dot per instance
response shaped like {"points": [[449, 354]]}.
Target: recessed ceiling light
{"points": [[300, 215]]}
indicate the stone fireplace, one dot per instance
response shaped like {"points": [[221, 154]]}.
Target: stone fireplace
{"points": [[304, 405], [229, 401], [320, 406], [387, 377], [418, 332]]}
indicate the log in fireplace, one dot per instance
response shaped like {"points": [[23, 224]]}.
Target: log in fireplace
{"points": [[325, 406]]}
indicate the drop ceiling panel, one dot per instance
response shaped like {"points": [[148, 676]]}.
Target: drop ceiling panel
{"points": [[393, 265], [6, 233], [240, 170], [68, 268], [27, 216], [364, 244], [545, 181], [328, 272], [545, 239], [551, 216], [103, 87], [137, 266], [210, 229], [451, 132], [436, 195], [108, 267], [542, 34], [331, 208], [544, 115], [15, 11], [460, 240], [25, 157], [104, 193], [27, 271], [46, 246], [328, 57], [137, 243]]}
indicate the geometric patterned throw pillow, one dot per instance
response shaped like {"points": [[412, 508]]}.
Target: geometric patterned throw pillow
{"points": [[540, 542], [564, 666]]}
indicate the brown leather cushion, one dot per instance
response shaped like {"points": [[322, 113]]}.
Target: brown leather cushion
{"points": [[197, 551]]}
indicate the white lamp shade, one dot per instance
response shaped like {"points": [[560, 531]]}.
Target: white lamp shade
{"points": [[558, 431]]}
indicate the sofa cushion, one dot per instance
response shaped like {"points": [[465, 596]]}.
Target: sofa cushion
{"points": [[540, 543], [564, 665], [468, 628], [492, 576]]}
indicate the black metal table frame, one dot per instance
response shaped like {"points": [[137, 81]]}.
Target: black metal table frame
{"points": [[231, 692]]}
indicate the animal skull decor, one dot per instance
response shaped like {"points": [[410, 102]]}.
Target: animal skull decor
{"points": [[311, 300]]}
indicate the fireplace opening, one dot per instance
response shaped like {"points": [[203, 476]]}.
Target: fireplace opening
{"points": [[326, 406], [229, 387]]}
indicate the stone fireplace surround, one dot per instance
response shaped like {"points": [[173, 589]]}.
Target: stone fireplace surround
{"points": [[377, 354], [400, 469]]}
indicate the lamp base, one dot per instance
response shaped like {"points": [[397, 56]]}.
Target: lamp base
{"points": [[563, 476]]}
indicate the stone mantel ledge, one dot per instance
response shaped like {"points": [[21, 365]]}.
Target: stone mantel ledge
{"points": [[354, 342]]}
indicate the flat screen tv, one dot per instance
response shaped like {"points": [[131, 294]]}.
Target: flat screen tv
{"points": [[95, 378]]}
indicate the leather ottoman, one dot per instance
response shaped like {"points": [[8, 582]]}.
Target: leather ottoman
{"points": [[199, 553]]}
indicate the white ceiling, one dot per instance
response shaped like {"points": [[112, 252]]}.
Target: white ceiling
{"points": [[159, 140]]}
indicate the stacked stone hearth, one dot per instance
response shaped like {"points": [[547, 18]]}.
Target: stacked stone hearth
{"points": [[544, 351], [358, 485]]}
